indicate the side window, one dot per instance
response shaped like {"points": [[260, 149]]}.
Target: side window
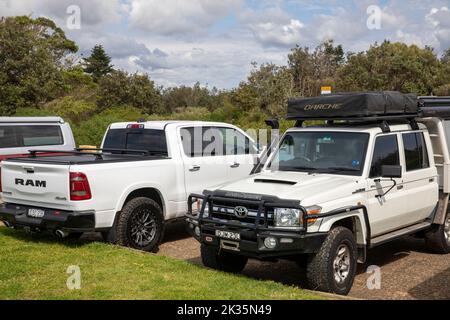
{"points": [[416, 155], [41, 136], [385, 153], [235, 143], [30, 136], [9, 137], [202, 141], [192, 142]]}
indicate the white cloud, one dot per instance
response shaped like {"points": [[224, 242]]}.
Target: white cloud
{"points": [[178, 16]]}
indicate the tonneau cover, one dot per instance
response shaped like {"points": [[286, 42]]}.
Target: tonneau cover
{"points": [[353, 105]]}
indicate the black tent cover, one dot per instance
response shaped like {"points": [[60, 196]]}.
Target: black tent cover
{"points": [[354, 105]]}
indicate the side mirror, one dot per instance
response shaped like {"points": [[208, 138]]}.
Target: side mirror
{"points": [[273, 123], [391, 171]]}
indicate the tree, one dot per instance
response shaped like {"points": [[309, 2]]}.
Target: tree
{"points": [[311, 70], [267, 89], [98, 64], [393, 66], [32, 53], [123, 89], [179, 98], [446, 56]]}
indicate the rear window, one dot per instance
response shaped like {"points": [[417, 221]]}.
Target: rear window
{"points": [[30, 136], [137, 139]]}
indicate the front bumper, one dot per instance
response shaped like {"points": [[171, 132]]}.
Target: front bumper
{"points": [[252, 245], [289, 242], [71, 221]]}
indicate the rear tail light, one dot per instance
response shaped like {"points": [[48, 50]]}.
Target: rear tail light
{"points": [[79, 187]]}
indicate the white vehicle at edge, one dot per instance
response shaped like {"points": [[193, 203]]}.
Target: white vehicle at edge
{"points": [[139, 181], [329, 193]]}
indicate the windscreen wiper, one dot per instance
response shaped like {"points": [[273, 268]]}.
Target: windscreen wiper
{"points": [[333, 169], [307, 169]]}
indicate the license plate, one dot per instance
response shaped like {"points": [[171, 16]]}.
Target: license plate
{"points": [[228, 235], [36, 213]]}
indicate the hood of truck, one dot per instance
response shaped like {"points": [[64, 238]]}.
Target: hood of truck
{"points": [[310, 189]]}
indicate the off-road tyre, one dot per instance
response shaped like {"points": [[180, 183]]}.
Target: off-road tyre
{"points": [[141, 216], [438, 238], [321, 272]]}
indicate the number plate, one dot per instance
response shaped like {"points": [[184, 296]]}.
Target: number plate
{"points": [[36, 213], [228, 235]]}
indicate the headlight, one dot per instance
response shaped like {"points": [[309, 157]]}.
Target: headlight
{"points": [[197, 206], [285, 217]]}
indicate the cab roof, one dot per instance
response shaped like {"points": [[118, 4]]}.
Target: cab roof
{"points": [[31, 120], [161, 125]]}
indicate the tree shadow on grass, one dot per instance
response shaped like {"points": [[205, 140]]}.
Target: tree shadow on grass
{"points": [[173, 232], [43, 238]]}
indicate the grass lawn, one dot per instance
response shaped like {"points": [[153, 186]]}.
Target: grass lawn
{"points": [[35, 266]]}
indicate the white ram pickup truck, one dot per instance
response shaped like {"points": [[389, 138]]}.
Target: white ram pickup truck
{"points": [[378, 170], [140, 179]]}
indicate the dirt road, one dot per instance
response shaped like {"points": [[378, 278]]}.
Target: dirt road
{"points": [[408, 271]]}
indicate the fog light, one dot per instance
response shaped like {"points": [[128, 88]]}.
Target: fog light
{"points": [[270, 243], [197, 231]]}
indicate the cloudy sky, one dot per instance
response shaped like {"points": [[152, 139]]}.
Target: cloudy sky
{"points": [[214, 41]]}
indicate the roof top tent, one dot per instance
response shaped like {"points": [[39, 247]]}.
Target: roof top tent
{"points": [[384, 108]]}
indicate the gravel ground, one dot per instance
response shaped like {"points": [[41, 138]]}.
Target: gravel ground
{"points": [[408, 271]]}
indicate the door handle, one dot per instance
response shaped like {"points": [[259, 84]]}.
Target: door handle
{"points": [[235, 165], [400, 187], [431, 180], [194, 168]]}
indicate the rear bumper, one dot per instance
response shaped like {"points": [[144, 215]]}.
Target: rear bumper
{"points": [[70, 221]]}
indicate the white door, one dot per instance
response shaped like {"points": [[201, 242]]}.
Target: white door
{"points": [[385, 212], [420, 178], [205, 165], [241, 153]]}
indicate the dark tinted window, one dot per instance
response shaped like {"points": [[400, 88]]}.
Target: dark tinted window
{"points": [[385, 153], [215, 141], [136, 139], [416, 155], [202, 141], [30, 136]]}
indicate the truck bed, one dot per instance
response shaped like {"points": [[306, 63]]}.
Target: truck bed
{"points": [[85, 158]]}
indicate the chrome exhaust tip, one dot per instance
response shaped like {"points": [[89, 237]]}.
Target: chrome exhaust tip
{"points": [[61, 234], [7, 224]]}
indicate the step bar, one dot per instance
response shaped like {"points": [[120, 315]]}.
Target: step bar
{"points": [[399, 233]]}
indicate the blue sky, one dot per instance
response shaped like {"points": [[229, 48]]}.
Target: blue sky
{"points": [[214, 41]]}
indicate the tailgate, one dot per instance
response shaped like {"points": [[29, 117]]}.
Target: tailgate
{"points": [[35, 184]]}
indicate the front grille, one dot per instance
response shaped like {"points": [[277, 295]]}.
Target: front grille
{"points": [[226, 212]]}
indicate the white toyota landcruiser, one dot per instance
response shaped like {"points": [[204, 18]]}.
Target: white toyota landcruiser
{"points": [[140, 179], [377, 170]]}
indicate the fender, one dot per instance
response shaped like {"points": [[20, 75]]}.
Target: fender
{"points": [[362, 225], [141, 185]]}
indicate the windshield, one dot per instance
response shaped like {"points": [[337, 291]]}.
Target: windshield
{"points": [[153, 141], [322, 152]]}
